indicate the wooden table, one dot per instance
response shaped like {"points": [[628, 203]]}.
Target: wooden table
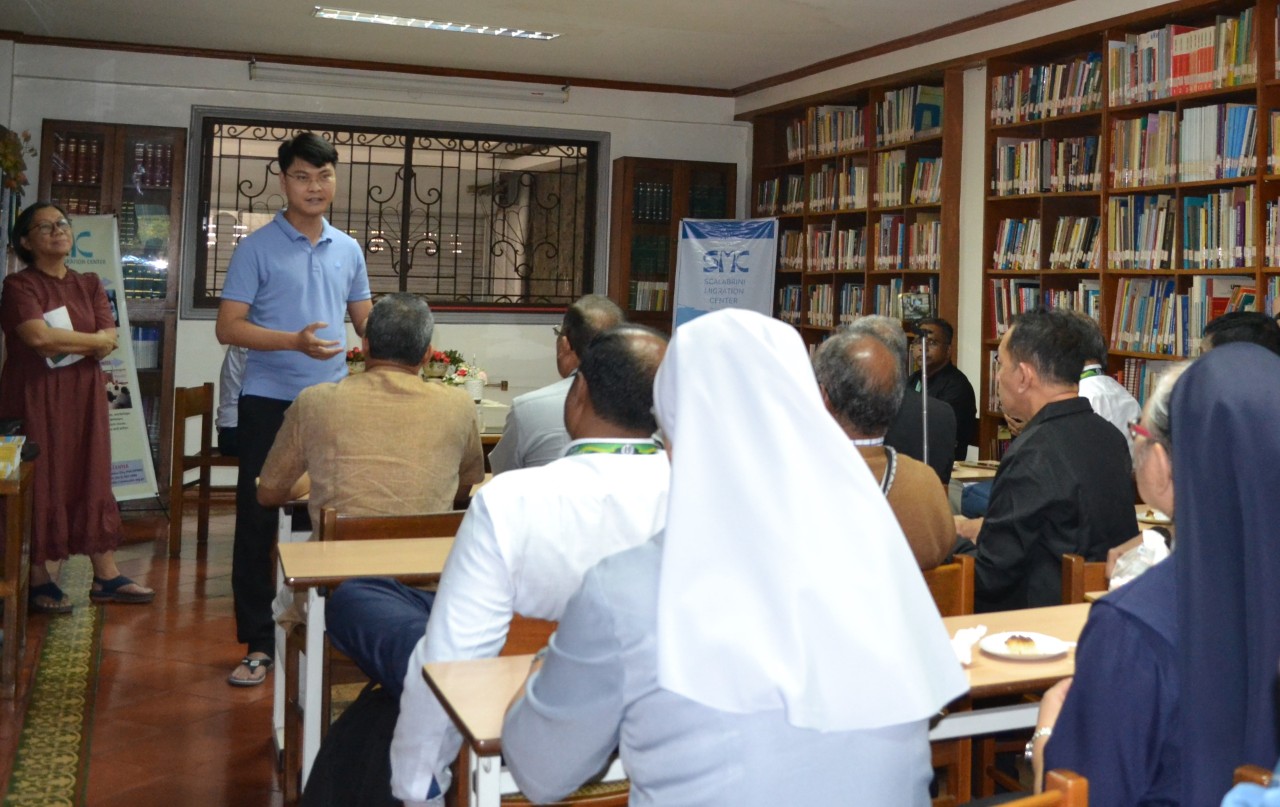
{"points": [[15, 578], [973, 472], [311, 566], [476, 693]]}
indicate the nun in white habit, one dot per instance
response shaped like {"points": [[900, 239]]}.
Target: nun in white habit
{"points": [[777, 644]]}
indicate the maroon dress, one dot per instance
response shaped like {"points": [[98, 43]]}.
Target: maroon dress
{"points": [[64, 411]]}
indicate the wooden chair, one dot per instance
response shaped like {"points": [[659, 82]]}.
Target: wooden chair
{"points": [[952, 588], [1252, 774], [338, 669], [1079, 576], [1062, 788], [189, 402]]}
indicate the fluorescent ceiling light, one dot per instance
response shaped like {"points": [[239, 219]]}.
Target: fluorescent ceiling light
{"points": [[409, 83], [346, 15]]}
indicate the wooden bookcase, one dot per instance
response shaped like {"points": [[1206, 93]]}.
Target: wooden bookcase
{"points": [[650, 197], [853, 237], [1241, 188], [135, 173]]}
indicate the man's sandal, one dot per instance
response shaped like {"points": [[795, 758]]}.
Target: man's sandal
{"points": [[49, 591], [111, 591], [254, 664]]}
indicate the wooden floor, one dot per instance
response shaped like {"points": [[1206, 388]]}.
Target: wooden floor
{"points": [[168, 729]]}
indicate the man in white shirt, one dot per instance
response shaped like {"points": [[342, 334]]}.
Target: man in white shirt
{"points": [[1107, 396], [535, 433], [527, 540]]}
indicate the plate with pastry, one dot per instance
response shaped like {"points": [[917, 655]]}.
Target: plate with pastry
{"points": [[1024, 645], [1150, 515]]}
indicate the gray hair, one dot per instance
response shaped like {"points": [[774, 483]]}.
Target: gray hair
{"points": [[1156, 412], [399, 329], [860, 393], [887, 330]]}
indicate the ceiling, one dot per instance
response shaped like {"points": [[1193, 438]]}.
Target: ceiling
{"points": [[713, 44]]}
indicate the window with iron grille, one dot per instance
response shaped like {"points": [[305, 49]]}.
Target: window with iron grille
{"points": [[471, 221]]}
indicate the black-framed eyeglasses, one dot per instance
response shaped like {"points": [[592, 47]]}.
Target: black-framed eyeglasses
{"points": [[47, 227]]}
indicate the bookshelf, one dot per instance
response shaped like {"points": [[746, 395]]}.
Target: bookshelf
{"points": [[135, 173], [650, 197], [1132, 175], [863, 183]]}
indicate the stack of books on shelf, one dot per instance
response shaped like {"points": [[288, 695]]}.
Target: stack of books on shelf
{"points": [[851, 246], [793, 199], [652, 202], [887, 299], [1056, 164], [890, 166], [850, 302], [924, 243], [1273, 296], [853, 184], [648, 295], [1047, 91], [1144, 150], [1217, 229], [789, 304], [1075, 243], [1140, 376], [791, 250], [1212, 296], [926, 186], [1218, 142], [77, 160], [834, 129], [1151, 318], [822, 240], [1085, 298], [1017, 245], [1181, 59], [767, 197], [910, 113], [152, 165], [1274, 146], [1010, 297], [650, 255], [796, 141], [824, 189], [1271, 249], [891, 242], [1140, 232], [820, 305]]}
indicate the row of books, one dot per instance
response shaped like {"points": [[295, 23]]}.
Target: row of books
{"points": [[1140, 232], [1144, 150], [1150, 318], [820, 305], [1218, 229], [791, 250], [144, 280], [891, 242], [833, 129], [909, 114], [924, 243], [648, 295], [152, 165], [1180, 59], [1010, 296], [1017, 245], [1054, 165], [835, 249], [926, 184], [652, 202], [77, 159], [898, 300], [1139, 376], [146, 346], [650, 255], [1075, 242], [1271, 250], [1217, 142], [75, 204], [707, 201], [1211, 296], [1047, 91], [1273, 296], [789, 301], [849, 302], [1086, 298], [839, 187], [890, 166]]}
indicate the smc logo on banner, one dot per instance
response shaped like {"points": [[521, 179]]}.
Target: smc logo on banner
{"points": [[725, 264]]}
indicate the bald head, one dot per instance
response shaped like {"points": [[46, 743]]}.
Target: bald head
{"points": [[862, 383], [583, 321]]}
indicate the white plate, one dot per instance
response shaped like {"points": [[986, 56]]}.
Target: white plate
{"points": [[1153, 516], [1047, 647]]}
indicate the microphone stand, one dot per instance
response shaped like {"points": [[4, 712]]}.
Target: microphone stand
{"points": [[924, 393]]}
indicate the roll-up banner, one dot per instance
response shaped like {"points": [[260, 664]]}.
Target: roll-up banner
{"points": [[725, 264], [97, 249]]}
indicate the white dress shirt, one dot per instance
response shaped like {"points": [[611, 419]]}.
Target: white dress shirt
{"points": [[523, 547], [535, 433], [1111, 400]]}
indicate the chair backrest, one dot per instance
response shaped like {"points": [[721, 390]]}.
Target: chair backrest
{"points": [[952, 586], [189, 402], [335, 527], [1079, 576], [1062, 788], [527, 635]]}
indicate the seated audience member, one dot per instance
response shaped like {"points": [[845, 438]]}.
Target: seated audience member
{"points": [[230, 380], [380, 442], [862, 384], [534, 434], [906, 432], [1242, 326], [1107, 396], [1064, 485], [523, 547], [731, 659], [946, 382], [1175, 671]]}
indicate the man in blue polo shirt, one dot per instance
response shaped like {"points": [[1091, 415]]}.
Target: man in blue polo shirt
{"points": [[288, 288]]}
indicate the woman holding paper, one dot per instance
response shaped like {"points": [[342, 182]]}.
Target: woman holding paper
{"points": [[53, 318]]}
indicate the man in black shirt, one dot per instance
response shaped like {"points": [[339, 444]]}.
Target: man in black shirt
{"points": [[946, 382], [1065, 484]]}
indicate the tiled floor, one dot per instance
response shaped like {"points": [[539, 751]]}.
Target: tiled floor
{"points": [[168, 730]]}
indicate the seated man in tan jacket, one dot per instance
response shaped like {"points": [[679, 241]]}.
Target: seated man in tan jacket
{"points": [[862, 383]]}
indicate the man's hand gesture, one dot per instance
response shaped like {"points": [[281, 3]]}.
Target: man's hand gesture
{"points": [[314, 346]]}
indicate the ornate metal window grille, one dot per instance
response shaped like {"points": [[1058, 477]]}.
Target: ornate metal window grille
{"points": [[471, 222]]}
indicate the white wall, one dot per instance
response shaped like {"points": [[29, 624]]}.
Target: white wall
{"points": [[111, 87]]}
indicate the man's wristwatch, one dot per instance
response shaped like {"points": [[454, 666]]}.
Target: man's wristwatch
{"points": [[1043, 731]]}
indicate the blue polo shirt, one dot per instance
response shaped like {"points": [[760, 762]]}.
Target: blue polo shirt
{"points": [[289, 284]]}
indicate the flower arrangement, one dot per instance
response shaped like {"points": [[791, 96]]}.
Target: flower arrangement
{"points": [[461, 372], [14, 148], [355, 355]]}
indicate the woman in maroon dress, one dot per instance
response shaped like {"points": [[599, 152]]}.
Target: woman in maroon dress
{"points": [[63, 409]]}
